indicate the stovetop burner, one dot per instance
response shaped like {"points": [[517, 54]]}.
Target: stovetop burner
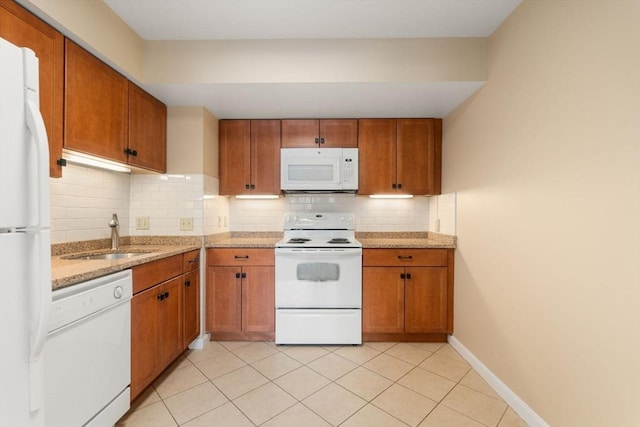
{"points": [[298, 240], [338, 240]]}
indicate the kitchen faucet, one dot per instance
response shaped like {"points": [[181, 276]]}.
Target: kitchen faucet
{"points": [[115, 235]]}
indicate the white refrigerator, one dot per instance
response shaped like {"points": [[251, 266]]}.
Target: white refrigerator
{"points": [[25, 251]]}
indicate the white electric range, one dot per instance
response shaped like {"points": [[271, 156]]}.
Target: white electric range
{"points": [[319, 280]]}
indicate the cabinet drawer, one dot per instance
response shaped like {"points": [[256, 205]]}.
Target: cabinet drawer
{"points": [[155, 272], [190, 260], [240, 256], [404, 257]]}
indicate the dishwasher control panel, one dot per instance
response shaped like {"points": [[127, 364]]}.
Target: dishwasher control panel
{"points": [[75, 302]]}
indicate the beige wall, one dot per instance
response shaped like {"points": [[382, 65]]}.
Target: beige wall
{"points": [[545, 160], [192, 141], [94, 25], [294, 61]]}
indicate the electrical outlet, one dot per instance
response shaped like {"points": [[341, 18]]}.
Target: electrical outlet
{"points": [[438, 225], [142, 223], [186, 224]]}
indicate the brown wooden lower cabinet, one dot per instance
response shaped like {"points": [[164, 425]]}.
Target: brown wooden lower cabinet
{"points": [[240, 293], [407, 294], [164, 315]]}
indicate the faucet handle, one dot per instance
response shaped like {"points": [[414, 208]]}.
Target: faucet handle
{"points": [[114, 220]]}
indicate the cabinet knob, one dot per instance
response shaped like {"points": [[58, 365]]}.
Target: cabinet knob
{"points": [[321, 140], [187, 283], [403, 276], [317, 140], [237, 275], [394, 185], [244, 275]]}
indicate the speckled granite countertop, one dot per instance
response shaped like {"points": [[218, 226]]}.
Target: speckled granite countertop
{"points": [[368, 239], [66, 272], [416, 240], [266, 239]]}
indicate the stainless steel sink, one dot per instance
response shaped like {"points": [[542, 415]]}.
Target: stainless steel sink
{"points": [[110, 255]]}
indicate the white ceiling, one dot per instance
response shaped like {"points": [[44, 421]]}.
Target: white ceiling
{"points": [[314, 19]]}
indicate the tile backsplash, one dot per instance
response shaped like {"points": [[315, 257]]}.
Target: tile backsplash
{"points": [[84, 199]]}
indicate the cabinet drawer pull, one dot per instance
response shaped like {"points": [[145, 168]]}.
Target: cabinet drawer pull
{"points": [[405, 257], [241, 256]]}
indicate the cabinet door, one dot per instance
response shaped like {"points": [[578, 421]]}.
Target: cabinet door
{"points": [[382, 299], [377, 152], [170, 321], [224, 298], [20, 27], [147, 131], [234, 156], [300, 133], [426, 299], [96, 106], [418, 156], [265, 157], [191, 307], [258, 299], [144, 340], [339, 133]]}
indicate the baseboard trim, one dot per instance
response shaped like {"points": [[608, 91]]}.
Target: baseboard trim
{"points": [[512, 399], [198, 343]]}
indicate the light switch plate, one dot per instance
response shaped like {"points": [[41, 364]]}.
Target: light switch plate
{"points": [[142, 223], [186, 224]]}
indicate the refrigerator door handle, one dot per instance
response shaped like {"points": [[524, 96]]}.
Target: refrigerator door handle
{"points": [[39, 133]]}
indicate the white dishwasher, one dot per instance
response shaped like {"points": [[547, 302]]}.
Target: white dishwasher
{"points": [[88, 353]]}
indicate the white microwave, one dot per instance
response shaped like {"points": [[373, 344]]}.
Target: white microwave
{"points": [[319, 169]]}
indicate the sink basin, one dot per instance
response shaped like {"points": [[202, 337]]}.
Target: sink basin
{"points": [[110, 255]]}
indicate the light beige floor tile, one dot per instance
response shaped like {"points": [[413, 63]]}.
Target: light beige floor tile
{"points": [[511, 419], [334, 404], [388, 366], [304, 354], [364, 383], [302, 382], [404, 404], [297, 416], [211, 349], [448, 351], [474, 380], [220, 365], [254, 352], [181, 362], [225, 416], [380, 346], [233, 345], [409, 353], [174, 381], [154, 415], [332, 366], [445, 417], [370, 416], [427, 384], [276, 365], [264, 403], [239, 382], [360, 354], [194, 402], [476, 405], [446, 367], [149, 396], [429, 346]]}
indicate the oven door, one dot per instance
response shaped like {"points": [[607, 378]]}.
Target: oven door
{"points": [[319, 278]]}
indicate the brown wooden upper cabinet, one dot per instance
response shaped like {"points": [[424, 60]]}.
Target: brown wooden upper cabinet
{"points": [[249, 157], [22, 28], [329, 133], [108, 116], [400, 156], [147, 131]]}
